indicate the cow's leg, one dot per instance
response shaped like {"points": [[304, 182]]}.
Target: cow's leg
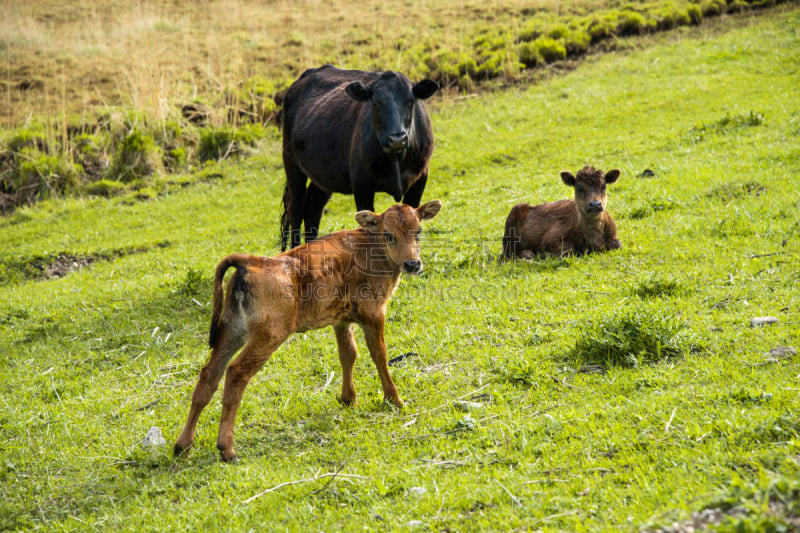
{"points": [[365, 198], [228, 342], [316, 199], [296, 197], [348, 352], [256, 352], [373, 332], [413, 195]]}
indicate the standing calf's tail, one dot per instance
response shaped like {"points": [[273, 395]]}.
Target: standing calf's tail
{"points": [[235, 260]]}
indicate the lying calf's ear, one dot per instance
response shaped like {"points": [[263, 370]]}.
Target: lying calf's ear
{"points": [[568, 178], [367, 220], [612, 175], [429, 210]]}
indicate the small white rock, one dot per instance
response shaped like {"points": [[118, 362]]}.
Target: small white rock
{"points": [[153, 439], [468, 406], [417, 491], [762, 320]]}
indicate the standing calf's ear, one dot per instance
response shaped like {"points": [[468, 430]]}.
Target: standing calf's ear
{"points": [[429, 210], [568, 178], [357, 91], [612, 175], [367, 220]]}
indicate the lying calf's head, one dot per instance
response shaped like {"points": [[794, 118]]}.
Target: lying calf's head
{"points": [[590, 189]]}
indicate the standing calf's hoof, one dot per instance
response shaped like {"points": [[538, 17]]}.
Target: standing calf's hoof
{"points": [[228, 456], [178, 450], [396, 402]]}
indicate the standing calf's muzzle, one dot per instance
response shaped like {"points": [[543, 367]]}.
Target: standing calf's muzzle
{"points": [[412, 267]]}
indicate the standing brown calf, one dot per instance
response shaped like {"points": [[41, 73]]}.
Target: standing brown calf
{"points": [[564, 227], [342, 279]]}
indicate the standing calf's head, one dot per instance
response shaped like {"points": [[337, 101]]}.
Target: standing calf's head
{"points": [[590, 189], [398, 227]]}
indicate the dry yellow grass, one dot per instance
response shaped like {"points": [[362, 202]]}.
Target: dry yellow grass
{"points": [[71, 58]]}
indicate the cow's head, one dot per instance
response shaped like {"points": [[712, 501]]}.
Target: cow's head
{"points": [[393, 98], [590, 189], [399, 228]]}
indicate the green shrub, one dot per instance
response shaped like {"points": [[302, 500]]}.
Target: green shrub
{"points": [[136, 157], [600, 29], [550, 50], [695, 13], [559, 32], [529, 55], [106, 188], [633, 337], [577, 43], [631, 23], [34, 175], [738, 6], [27, 139], [713, 8], [220, 143], [89, 152]]}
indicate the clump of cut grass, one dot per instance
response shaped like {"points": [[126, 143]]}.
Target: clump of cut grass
{"points": [[657, 286], [633, 338], [736, 190]]}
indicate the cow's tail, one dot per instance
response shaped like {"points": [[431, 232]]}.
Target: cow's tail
{"points": [[235, 260], [285, 216]]}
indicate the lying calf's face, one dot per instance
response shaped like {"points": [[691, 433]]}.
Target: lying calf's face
{"points": [[590, 189]]}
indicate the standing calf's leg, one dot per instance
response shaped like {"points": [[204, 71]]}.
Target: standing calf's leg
{"points": [[348, 352], [373, 332], [207, 384], [258, 350]]}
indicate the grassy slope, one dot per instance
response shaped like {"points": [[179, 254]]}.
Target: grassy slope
{"points": [[94, 359]]}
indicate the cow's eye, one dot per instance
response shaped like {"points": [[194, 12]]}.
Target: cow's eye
{"points": [[416, 234], [580, 190], [389, 237], [603, 188]]}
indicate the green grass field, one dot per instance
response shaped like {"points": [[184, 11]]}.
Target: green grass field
{"points": [[623, 391]]}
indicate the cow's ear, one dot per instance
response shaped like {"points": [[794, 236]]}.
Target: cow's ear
{"points": [[429, 210], [612, 175], [568, 178], [357, 91], [425, 89], [367, 220]]}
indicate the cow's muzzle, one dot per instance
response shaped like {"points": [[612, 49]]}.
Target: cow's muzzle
{"points": [[395, 144], [413, 266]]}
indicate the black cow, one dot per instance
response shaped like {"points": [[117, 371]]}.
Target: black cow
{"points": [[352, 132]]}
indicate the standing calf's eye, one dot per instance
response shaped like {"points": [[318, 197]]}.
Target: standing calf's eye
{"points": [[389, 237]]}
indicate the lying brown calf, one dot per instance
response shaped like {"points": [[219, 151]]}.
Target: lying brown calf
{"points": [[564, 227], [344, 278]]}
